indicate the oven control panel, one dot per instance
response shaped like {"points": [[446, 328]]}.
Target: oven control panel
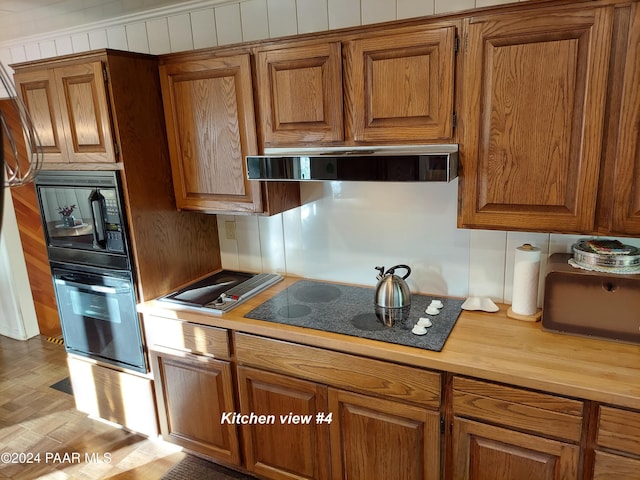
{"points": [[113, 223]]}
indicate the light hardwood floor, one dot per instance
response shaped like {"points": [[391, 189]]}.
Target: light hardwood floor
{"points": [[36, 419]]}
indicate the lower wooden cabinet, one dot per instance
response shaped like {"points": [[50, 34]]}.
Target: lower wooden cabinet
{"points": [[377, 438], [387, 426], [504, 433], [619, 434], [340, 435], [608, 466], [296, 411], [193, 393], [486, 452], [292, 444]]}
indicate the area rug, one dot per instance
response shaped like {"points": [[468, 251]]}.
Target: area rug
{"points": [[192, 468], [63, 385]]}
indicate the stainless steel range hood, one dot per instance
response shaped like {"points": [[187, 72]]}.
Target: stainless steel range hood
{"points": [[413, 163]]}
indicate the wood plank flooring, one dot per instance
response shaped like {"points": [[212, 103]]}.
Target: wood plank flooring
{"points": [[36, 419]]}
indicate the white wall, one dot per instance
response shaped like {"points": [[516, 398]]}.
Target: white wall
{"points": [[202, 23], [344, 229]]}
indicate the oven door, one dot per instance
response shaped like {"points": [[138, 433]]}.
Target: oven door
{"points": [[98, 316]]}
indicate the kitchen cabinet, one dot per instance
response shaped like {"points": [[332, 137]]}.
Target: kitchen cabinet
{"points": [[617, 453], [484, 451], [533, 104], [192, 388], [210, 123], [398, 87], [501, 432], [378, 438], [300, 94], [619, 192], [405, 438], [69, 105], [286, 448], [383, 419], [193, 393]]}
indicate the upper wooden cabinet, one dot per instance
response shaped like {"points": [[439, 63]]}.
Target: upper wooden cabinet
{"points": [[69, 106], [398, 87], [619, 200], [208, 103], [210, 126], [533, 103], [300, 94]]}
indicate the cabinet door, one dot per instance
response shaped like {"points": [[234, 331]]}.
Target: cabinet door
{"points": [[210, 121], [300, 94], [284, 449], [375, 438], [626, 191], [38, 92], [193, 392], [533, 107], [400, 87], [84, 110], [485, 452]]}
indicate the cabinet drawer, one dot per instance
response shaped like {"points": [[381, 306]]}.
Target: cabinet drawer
{"points": [[619, 429], [340, 369], [541, 413], [188, 337]]}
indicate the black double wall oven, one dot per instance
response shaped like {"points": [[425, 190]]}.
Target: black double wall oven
{"points": [[86, 232]]}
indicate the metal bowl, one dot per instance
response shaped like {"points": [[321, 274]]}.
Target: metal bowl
{"points": [[584, 255]]}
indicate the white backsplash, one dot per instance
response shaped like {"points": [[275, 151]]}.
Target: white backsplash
{"points": [[345, 229]]}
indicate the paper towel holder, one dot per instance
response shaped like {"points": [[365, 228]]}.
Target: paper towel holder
{"points": [[518, 316]]}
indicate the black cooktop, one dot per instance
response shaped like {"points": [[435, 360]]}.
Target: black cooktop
{"points": [[350, 310]]}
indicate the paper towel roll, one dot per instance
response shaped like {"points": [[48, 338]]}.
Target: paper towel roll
{"points": [[526, 273]]}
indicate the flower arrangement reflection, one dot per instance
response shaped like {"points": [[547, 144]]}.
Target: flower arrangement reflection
{"points": [[68, 220]]}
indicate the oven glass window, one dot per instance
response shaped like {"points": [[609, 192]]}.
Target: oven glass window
{"points": [[68, 218]]}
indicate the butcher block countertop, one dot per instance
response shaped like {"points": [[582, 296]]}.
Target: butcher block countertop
{"points": [[488, 346]]}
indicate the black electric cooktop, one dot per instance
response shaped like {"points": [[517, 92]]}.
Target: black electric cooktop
{"points": [[350, 310]]}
